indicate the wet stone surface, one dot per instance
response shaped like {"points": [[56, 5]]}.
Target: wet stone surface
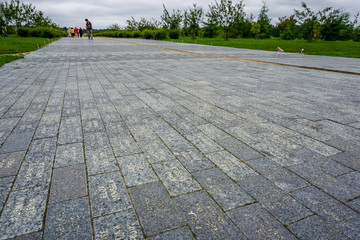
{"points": [[143, 139]]}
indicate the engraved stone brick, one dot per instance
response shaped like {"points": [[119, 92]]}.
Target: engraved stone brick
{"points": [[95, 141], [156, 211], [70, 130], [332, 211], [136, 170], [108, 194], [231, 165], [193, 159], [122, 225], [175, 178], [69, 154], [100, 161], [256, 223], [315, 228], [224, 191], [204, 143], [272, 198], [124, 145], [17, 141], [68, 183], [10, 163], [155, 151], [205, 218], [70, 219], [23, 212]]}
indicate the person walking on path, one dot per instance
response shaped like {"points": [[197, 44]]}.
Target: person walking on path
{"points": [[89, 28], [4, 31], [76, 32], [80, 32]]}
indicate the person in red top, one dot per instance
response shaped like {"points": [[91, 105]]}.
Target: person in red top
{"points": [[76, 31]]}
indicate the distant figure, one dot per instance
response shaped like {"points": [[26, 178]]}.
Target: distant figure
{"points": [[69, 32], [278, 49], [80, 32], [89, 28], [4, 31], [72, 32], [76, 32]]}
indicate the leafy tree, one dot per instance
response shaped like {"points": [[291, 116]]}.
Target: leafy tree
{"points": [[20, 14], [334, 23], [192, 20], [256, 29], [225, 14], [133, 25], [288, 28], [114, 27], [172, 21], [264, 21], [309, 22]]}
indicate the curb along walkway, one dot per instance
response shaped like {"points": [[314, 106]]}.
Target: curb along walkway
{"points": [[136, 139]]}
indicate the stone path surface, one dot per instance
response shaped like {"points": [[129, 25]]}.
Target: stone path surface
{"points": [[136, 139]]}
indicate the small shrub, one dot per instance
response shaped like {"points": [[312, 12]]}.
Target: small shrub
{"points": [[160, 34], [148, 34], [174, 34], [136, 34], [23, 32]]}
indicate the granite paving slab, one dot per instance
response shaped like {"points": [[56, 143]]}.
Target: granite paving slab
{"points": [[144, 139]]}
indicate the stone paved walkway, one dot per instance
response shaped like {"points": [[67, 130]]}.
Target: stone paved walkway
{"points": [[113, 139]]}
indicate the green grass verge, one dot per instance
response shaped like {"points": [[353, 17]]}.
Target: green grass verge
{"points": [[15, 44], [12, 48], [9, 58], [325, 48]]}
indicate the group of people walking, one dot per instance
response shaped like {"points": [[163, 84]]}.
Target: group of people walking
{"points": [[78, 32]]}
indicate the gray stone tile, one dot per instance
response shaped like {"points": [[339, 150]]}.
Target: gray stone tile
{"points": [[256, 223], [203, 143], [213, 132], [101, 160], [332, 211], [68, 220], [239, 149], [348, 159], [5, 185], [273, 199], [352, 178], [175, 178], [122, 225], [155, 151], [155, 209], [17, 141], [31, 236], [143, 133], [205, 218], [68, 183], [315, 228], [108, 194], [95, 141], [10, 163], [116, 129], [70, 130], [23, 212], [136, 170], [224, 191], [124, 146], [181, 233], [278, 175], [231, 165], [69, 154], [336, 187], [354, 204], [193, 160]]}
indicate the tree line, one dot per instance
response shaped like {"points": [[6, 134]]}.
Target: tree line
{"points": [[228, 19], [18, 14]]}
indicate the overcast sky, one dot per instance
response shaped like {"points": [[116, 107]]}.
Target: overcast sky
{"points": [[102, 13]]}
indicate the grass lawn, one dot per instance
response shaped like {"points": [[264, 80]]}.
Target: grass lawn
{"points": [[326, 48], [12, 48]]}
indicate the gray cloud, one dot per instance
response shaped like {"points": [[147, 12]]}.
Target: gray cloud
{"points": [[106, 12]]}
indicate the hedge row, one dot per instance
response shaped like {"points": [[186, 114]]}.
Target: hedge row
{"points": [[44, 32], [158, 34]]}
